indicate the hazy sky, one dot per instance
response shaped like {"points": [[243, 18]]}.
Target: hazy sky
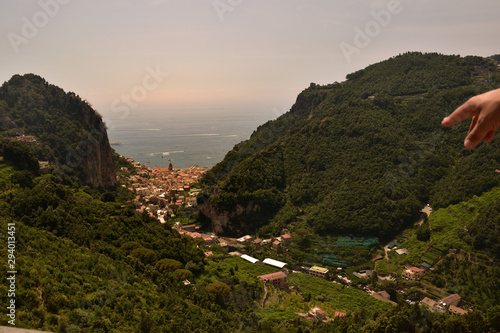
{"points": [[242, 54]]}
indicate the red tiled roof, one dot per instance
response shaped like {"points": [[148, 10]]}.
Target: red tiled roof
{"points": [[415, 269], [273, 276]]}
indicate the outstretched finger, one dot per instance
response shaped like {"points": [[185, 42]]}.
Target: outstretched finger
{"points": [[489, 137], [472, 124], [478, 132], [466, 110]]}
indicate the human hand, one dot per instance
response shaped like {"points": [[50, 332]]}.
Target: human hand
{"points": [[485, 112]]}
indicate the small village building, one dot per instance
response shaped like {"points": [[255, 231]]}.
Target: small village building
{"points": [[402, 251], [430, 303], [412, 274], [194, 235], [453, 299], [377, 258], [44, 165], [189, 227], [318, 313], [209, 254], [142, 191], [257, 241], [456, 310], [143, 173], [286, 238], [318, 271], [209, 240], [250, 259], [244, 239], [345, 279], [393, 245], [274, 263], [384, 297], [363, 274], [449, 303], [278, 279], [276, 245], [23, 138]]}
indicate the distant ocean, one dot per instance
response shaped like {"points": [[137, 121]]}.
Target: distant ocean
{"points": [[184, 137]]}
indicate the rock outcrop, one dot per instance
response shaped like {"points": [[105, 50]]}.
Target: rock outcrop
{"points": [[69, 132], [223, 222], [96, 166]]}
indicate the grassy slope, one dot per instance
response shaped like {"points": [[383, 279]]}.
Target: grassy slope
{"points": [[445, 224], [279, 304]]}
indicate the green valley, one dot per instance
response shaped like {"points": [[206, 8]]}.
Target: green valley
{"points": [[363, 214]]}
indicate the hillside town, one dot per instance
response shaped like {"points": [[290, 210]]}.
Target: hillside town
{"points": [[161, 192]]}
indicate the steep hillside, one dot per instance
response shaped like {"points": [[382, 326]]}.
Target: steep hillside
{"points": [[358, 157], [68, 131]]}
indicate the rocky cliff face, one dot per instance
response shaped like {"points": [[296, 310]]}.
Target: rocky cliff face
{"points": [[69, 132], [97, 168], [227, 222]]}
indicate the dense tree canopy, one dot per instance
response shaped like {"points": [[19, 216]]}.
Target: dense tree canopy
{"points": [[68, 131], [88, 262], [363, 156]]}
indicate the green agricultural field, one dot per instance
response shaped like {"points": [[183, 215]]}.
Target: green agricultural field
{"points": [[234, 267], [331, 296], [446, 225]]}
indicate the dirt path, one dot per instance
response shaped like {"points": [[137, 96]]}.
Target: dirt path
{"points": [[426, 210], [386, 249], [265, 295]]}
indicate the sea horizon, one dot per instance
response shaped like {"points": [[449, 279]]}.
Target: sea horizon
{"points": [[184, 137]]}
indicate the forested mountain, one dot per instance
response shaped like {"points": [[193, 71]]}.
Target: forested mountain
{"points": [[86, 261], [359, 157], [67, 130]]}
